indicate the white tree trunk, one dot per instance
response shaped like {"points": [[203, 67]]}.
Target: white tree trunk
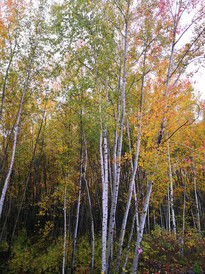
{"points": [[184, 209], [196, 197], [104, 221], [105, 200], [124, 223], [168, 209], [132, 182], [64, 214], [128, 246], [78, 205], [5, 80], [141, 227], [171, 191], [29, 174], [91, 215], [119, 150], [184, 206], [6, 183]]}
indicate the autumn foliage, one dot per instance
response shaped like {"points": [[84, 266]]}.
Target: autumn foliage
{"points": [[102, 134]]}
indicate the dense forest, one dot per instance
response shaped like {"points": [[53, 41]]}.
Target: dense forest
{"points": [[102, 136]]}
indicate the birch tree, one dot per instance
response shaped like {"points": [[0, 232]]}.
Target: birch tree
{"points": [[79, 198], [16, 131], [116, 170]]}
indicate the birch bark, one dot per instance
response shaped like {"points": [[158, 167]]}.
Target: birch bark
{"points": [[128, 245], [5, 80], [184, 209], [119, 150], [141, 227], [124, 223], [28, 177], [104, 221], [171, 190], [196, 197], [168, 210], [90, 207], [78, 205], [6, 183], [64, 216]]}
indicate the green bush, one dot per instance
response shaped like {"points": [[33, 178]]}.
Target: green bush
{"points": [[34, 256]]}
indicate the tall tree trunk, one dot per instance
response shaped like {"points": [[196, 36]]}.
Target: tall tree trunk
{"points": [[105, 202], [5, 80], [119, 150], [7, 216], [104, 220], [5, 153], [184, 206], [128, 245], [132, 182], [194, 223], [65, 225], [184, 209], [28, 177], [176, 19], [91, 215], [141, 227], [135, 218], [161, 217], [124, 223], [168, 210], [110, 171], [78, 204], [6, 183], [196, 197], [171, 190], [153, 211]]}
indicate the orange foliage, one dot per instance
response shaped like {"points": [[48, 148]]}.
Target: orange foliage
{"points": [[9, 13]]}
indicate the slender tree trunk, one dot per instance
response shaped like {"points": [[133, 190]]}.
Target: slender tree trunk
{"points": [[148, 220], [161, 133], [184, 209], [110, 172], [119, 150], [130, 147], [135, 218], [7, 215], [65, 226], [124, 223], [128, 245], [5, 80], [6, 183], [103, 170], [184, 206], [105, 202], [168, 210], [192, 214], [132, 182], [141, 227], [78, 205], [104, 221], [91, 215], [28, 177], [153, 211], [5, 153], [196, 197], [171, 191], [96, 190], [161, 218]]}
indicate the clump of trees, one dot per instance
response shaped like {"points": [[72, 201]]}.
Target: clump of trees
{"points": [[102, 136]]}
